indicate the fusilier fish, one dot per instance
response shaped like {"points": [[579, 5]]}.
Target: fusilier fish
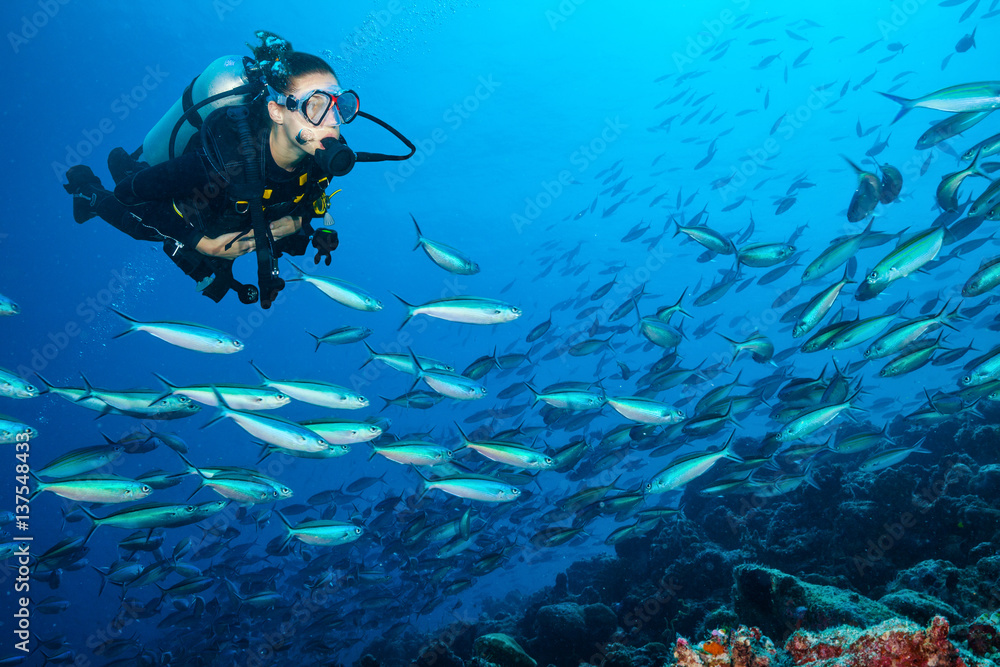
{"points": [[817, 307], [904, 260], [984, 279], [568, 398], [474, 487], [321, 533], [82, 460], [343, 431], [238, 397], [986, 369], [448, 384], [318, 393], [182, 334], [342, 336], [812, 420], [690, 467], [646, 410], [761, 255], [982, 96], [14, 386], [448, 258], [95, 489], [464, 309], [13, 431], [272, 430], [8, 307], [341, 291], [414, 452], [709, 238], [891, 457]]}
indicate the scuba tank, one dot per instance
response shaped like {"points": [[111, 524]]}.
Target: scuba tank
{"points": [[226, 81]]}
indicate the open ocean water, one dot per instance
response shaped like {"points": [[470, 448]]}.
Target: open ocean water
{"points": [[600, 162]]}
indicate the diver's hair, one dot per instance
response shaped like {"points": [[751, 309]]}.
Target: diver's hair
{"points": [[281, 64]]}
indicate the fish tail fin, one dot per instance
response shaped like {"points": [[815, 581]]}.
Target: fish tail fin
{"points": [[299, 273], [131, 321], [388, 402], [424, 482], [192, 468], [223, 407], [418, 370], [266, 450], [906, 104], [260, 373], [420, 234], [409, 309], [729, 415], [534, 392], [371, 354], [461, 434], [95, 523], [680, 304], [171, 388], [316, 337], [288, 527], [728, 451], [39, 485]]}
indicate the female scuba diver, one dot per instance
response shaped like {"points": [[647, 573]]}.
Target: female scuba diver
{"points": [[253, 173]]}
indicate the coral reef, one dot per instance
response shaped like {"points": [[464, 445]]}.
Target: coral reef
{"points": [[501, 650], [888, 644], [780, 604]]}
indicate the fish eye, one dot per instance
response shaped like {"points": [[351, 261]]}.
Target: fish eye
{"points": [[237, 343], [873, 275], [30, 388], [357, 531], [515, 491], [145, 488]]}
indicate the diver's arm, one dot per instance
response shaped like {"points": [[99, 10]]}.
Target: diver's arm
{"points": [[182, 177]]}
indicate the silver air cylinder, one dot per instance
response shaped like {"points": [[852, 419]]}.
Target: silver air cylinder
{"points": [[223, 74]]}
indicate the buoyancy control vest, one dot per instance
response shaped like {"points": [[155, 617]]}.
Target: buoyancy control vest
{"points": [[234, 81]]}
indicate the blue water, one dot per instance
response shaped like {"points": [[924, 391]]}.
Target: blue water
{"points": [[515, 107]]}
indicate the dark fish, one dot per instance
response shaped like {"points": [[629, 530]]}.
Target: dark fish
{"points": [[637, 231], [892, 184], [539, 330], [866, 196], [967, 42]]}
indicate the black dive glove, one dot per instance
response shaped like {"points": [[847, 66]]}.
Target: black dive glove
{"points": [[335, 158], [325, 241]]}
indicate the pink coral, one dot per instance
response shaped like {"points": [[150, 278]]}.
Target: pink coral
{"points": [[889, 644]]}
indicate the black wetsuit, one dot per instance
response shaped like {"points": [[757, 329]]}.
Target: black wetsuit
{"points": [[179, 201]]}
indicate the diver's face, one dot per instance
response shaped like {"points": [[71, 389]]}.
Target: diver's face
{"points": [[295, 125]]}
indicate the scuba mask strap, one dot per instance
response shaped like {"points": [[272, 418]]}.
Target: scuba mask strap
{"points": [[381, 157]]}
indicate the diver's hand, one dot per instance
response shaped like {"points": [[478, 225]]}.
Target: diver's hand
{"points": [[286, 226], [242, 243]]}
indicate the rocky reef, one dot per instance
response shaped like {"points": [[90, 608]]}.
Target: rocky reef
{"points": [[904, 561]]}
